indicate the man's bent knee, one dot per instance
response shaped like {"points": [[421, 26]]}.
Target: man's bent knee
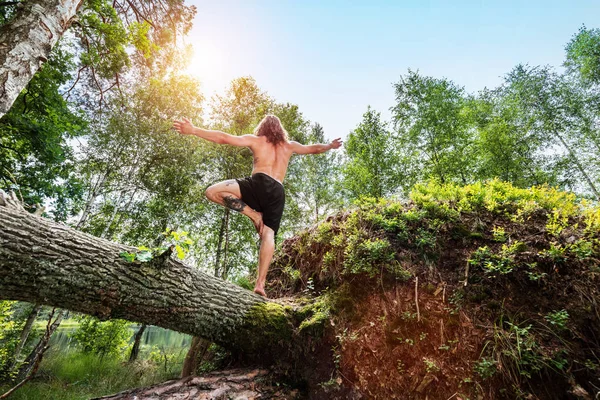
{"points": [[267, 234], [210, 193]]}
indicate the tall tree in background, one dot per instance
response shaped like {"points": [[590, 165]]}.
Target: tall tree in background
{"points": [[506, 146], [104, 31], [140, 176], [583, 55], [554, 106], [432, 128], [36, 156], [372, 166], [27, 39], [320, 173], [111, 45]]}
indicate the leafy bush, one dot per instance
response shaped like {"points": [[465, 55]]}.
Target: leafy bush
{"points": [[102, 338]]}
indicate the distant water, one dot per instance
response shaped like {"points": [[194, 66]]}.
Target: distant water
{"points": [[153, 335]]}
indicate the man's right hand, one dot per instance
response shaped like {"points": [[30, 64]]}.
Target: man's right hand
{"points": [[184, 127]]}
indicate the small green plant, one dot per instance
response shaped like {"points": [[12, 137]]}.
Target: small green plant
{"points": [[430, 366], [582, 249], [400, 367], [515, 248], [591, 365], [425, 240], [557, 221], [367, 255], [292, 273], [492, 263], [556, 252], [178, 239], [310, 286], [534, 275], [558, 318], [408, 316], [498, 234], [485, 368], [324, 232], [329, 259]]}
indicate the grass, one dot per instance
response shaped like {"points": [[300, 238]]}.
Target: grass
{"points": [[73, 375]]}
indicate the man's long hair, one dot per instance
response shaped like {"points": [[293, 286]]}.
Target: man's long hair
{"points": [[271, 128]]}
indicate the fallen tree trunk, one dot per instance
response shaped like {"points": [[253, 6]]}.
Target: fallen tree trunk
{"points": [[49, 263]]}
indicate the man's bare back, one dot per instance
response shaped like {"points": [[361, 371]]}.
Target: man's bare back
{"points": [[260, 197], [273, 160]]}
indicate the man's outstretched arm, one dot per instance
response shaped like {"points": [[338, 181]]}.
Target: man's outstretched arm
{"points": [[299, 148], [185, 127]]}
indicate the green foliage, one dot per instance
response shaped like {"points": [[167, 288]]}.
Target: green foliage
{"points": [[582, 55], [534, 275], [372, 166], [108, 338], [367, 255], [492, 263], [556, 253], [582, 249], [558, 318], [557, 221], [431, 366], [432, 129], [499, 234], [519, 351], [485, 367], [9, 336], [178, 239], [36, 159]]}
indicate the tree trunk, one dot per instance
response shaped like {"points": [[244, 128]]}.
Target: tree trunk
{"points": [[135, 350], [32, 360], [26, 42], [219, 243], [194, 356], [25, 333], [578, 165], [49, 263]]}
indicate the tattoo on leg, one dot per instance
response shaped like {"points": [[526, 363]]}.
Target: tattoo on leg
{"points": [[234, 203], [228, 183]]}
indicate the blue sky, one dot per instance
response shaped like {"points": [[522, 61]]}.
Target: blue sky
{"points": [[334, 58]]}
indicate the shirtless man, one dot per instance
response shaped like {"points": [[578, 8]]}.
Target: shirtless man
{"points": [[260, 197]]}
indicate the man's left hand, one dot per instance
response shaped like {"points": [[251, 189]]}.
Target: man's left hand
{"points": [[184, 127]]}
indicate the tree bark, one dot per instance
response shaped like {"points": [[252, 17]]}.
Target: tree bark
{"points": [[194, 356], [26, 42], [49, 263], [25, 333], [135, 350]]}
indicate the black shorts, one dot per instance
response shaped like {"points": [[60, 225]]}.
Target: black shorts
{"points": [[266, 195]]}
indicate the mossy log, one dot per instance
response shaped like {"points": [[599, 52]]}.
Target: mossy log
{"points": [[49, 263]]}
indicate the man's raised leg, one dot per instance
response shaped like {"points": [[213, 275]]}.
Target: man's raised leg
{"points": [[227, 193], [265, 255]]}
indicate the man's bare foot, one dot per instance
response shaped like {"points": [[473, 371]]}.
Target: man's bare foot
{"points": [[260, 292], [258, 223]]}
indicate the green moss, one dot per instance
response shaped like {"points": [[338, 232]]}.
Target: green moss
{"points": [[271, 319]]}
